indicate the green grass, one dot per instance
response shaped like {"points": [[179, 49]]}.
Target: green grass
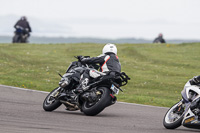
{"points": [[158, 71]]}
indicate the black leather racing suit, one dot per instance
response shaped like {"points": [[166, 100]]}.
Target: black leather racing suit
{"points": [[108, 62], [25, 25], [159, 40]]}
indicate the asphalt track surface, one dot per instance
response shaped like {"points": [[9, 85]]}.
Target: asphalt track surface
{"points": [[21, 112]]}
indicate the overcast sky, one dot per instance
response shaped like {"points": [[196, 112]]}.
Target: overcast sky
{"points": [[176, 19]]}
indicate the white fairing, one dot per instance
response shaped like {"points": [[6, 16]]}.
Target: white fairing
{"points": [[188, 87], [187, 115], [192, 88]]}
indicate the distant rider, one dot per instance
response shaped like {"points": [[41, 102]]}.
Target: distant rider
{"points": [[159, 39], [108, 61], [23, 25]]}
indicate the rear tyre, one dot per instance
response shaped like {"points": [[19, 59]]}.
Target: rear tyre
{"points": [[173, 118], [50, 103], [102, 102]]}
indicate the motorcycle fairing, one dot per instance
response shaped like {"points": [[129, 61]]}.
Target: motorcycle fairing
{"points": [[74, 64], [190, 120], [187, 88]]}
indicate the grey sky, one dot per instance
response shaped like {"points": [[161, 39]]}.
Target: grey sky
{"points": [[105, 18]]}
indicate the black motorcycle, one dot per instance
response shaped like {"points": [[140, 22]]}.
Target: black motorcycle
{"points": [[20, 36], [99, 94]]}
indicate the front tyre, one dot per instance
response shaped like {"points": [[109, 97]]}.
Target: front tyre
{"points": [[102, 101], [50, 103], [16, 38], [174, 116]]}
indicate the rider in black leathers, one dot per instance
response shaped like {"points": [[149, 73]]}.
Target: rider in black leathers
{"points": [[159, 39], [108, 61], [23, 24], [195, 80]]}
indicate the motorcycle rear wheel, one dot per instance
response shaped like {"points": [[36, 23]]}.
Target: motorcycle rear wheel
{"points": [[92, 109], [173, 120], [50, 103]]}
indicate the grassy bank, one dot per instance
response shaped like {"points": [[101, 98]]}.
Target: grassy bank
{"points": [[158, 71]]}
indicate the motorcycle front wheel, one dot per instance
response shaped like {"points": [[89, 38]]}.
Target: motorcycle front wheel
{"points": [[174, 116], [50, 103], [16, 38], [103, 100]]}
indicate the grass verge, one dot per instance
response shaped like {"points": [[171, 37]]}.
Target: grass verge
{"points": [[158, 71]]}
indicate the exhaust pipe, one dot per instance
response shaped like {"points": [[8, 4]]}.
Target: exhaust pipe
{"points": [[69, 104]]}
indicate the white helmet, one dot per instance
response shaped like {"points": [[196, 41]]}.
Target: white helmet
{"points": [[109, 47]]}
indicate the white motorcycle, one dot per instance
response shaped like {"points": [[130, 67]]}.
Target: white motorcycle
{"points": [[187, 111]]}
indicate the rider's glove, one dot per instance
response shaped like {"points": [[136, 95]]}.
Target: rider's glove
{"points": [[83, 59], [196, 79], [80, 57]]}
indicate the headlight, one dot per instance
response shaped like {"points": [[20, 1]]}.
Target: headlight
{"points": [[64, 82]]}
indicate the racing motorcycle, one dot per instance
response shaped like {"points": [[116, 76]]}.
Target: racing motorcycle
{"points": [[187, 111], [99, 94]]}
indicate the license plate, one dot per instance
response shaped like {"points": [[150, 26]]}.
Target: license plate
{"points": [[114, 89]]}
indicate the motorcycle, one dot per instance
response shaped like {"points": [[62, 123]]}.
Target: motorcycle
{"points": [[187, 111], [20, 36], [99, 94]]}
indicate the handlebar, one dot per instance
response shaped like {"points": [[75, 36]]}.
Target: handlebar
{"points": [[79, 57]]}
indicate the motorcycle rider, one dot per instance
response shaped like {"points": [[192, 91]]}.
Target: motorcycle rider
{"points": [[159, 39], [195, 80], [108, 61], [23, 25]]}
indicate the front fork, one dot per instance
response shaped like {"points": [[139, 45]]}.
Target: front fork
{"points": [[180, 108], [55, 93]]}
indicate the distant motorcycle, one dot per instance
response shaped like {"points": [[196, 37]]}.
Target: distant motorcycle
{"points": [[99, 94], [186, 112], [20, 35]]}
